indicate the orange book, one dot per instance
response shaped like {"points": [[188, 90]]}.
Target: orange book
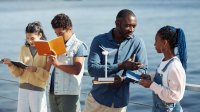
{"points": [[46, 47]]}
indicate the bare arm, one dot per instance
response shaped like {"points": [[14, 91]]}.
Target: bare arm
{"points": [[71, 69]]}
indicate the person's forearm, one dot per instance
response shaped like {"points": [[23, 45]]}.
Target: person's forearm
{"points": [[71, 69], [16, 71], [167, 94]]}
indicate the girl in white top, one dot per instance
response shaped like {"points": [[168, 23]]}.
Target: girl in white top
{"points": [[168, 84]]}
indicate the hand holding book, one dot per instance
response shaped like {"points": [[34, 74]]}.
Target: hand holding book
{"points": [[135, 76], [19, 64], [146, 80], [16, 63], [6, 61], [145, 76], [118, 80]]}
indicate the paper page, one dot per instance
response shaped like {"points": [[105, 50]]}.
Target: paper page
{"points": [[19, 64]]}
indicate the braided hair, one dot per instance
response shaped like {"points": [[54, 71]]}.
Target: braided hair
{"points": [[35, 27], [175, 38]]}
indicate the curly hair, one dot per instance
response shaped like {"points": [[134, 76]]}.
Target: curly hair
{"points": [[61, 21], [35, 27]]}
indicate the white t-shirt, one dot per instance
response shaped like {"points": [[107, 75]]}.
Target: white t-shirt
{"points": [[174, 80]]}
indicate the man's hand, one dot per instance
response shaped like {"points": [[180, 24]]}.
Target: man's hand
{"points": [[118, 80], [52, 59], [129, 65]]}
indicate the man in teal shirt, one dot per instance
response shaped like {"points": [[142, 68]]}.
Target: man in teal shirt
{"points": [[123, 44]]}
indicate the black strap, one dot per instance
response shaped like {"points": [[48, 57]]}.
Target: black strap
{"points": [[52, 81]]}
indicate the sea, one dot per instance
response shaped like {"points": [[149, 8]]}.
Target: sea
{"points": [[93, 17]]}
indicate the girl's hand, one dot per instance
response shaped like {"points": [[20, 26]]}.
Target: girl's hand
{"points": [[31, 68], [145, 76], [7, 61], [145, 83]]}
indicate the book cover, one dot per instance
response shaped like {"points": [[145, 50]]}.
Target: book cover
{"points": [[106, 79], [102, 82], [46, 47], [19, 64], [132, 75]]}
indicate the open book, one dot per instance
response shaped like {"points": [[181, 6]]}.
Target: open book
{"points": [[46, 47], [19, 64], [132, 75], [16, 63]]}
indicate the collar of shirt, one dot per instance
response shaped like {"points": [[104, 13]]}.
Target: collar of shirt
{"points": [[71, 40]]}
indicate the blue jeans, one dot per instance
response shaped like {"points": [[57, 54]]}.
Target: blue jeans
{"points": [[161, 106]]}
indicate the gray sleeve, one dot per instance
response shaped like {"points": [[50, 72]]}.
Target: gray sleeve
{"points": [[82, 51]]}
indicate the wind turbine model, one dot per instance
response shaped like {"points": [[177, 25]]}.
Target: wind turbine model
{"points": [[106, 78]]}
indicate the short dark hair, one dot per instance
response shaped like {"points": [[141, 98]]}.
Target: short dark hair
{"points": [[124, 13], [61, 21]]}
